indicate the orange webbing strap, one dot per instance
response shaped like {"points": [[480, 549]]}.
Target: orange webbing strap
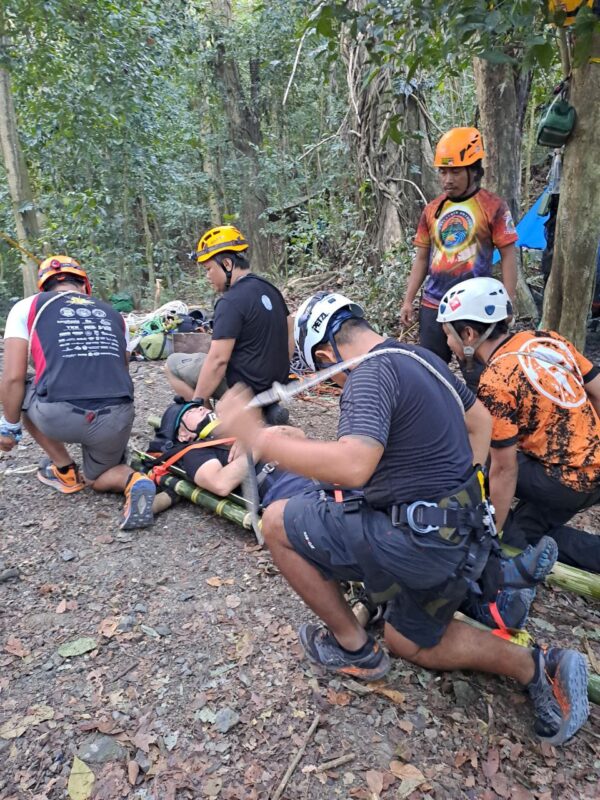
{"points": [[160, 470], [501, 631], [338, 495]]}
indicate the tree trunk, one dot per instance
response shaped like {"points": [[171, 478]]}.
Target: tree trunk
{"points": [[502, 95], [26, 222], [570, 287], [400, 175], [148, 243], [243, 116]]}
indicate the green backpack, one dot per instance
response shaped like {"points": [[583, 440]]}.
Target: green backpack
{"points": [[156, 346]]}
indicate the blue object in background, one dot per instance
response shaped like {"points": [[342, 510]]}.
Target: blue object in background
{"points": [[530, 229]]}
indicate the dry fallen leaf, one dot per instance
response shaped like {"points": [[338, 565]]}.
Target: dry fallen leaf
{"points": [[108, 627], [375, 782], [61, 607], [392, 694], [214, 581], [491, 764], [233, 601], [133, 770], [338, 698], [15, 647], [17, 725], [410, 776], [81, 781]]}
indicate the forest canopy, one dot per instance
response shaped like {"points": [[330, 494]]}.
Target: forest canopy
{"points": [[129, 127]]}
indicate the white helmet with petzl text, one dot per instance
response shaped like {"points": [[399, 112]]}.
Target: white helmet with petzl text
{"points": [[318, 320]]}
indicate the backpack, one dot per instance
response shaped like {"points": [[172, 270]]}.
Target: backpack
{"points": [[156, 346]]}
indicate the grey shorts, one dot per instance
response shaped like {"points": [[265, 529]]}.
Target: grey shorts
{"points": [[320, 530], [186, 367], [103, 433]]}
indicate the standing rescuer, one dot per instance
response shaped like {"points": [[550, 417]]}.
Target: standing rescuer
{"points": [[409, 433], [456, 237], [544, 398], [81, 391], [251, 330]]}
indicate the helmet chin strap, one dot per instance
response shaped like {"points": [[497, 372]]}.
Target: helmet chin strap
{"points": [[469, 349]]}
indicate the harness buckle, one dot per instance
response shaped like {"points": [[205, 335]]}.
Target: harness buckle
{"points": [[410, 516]]}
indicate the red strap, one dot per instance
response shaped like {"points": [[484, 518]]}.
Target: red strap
{"points": [[501, 631], [160, 470], [338, 495]]}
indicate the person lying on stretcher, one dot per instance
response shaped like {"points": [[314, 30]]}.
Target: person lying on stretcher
{"points": [[213, 463], [219, 466]]}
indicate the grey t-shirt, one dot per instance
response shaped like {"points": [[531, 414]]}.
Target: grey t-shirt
{"points": [[399, 403]]}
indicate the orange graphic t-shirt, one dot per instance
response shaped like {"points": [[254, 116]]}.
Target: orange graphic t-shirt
{"points": [[533, 386], [461, 237]]}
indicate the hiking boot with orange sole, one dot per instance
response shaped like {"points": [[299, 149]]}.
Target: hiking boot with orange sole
{"points": [[64, 482], [559, 693], [369, 664], [139, 496]]}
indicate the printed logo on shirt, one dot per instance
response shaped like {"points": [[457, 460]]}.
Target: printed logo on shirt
{"points": [[67, 312], [266, 301], [79, 300], [551, 369], [99, 312], [455, 228], [83, 312]]}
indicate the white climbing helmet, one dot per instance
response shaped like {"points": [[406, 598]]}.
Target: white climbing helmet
{"points": [[312, 323], [476, 299]]}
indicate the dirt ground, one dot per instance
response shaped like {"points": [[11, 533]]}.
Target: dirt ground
{"points": [[193, 684]]}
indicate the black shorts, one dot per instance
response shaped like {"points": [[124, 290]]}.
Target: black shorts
{"points": [[424, 567]]}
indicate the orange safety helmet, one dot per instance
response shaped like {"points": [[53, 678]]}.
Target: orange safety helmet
{"points": [[219, 240], [566, 10], [61, 267], [460, 147]]}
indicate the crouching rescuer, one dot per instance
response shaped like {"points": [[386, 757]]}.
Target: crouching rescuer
{"points": [[81, 391], [419, 530]]}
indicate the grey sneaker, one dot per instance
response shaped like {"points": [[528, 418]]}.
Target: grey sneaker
{"points": [[512, 607], [559, 693], [322, 649], [531, 566]]}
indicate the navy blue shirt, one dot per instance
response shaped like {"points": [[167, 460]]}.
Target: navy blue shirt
{"points": [[397, 402], [79, 349]]}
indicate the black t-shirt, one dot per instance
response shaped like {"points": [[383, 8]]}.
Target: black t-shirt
{"points": [[278, 484], [254, 313], [399, 403]]}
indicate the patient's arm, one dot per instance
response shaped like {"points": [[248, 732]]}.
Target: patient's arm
{"points": [[221, 480]]}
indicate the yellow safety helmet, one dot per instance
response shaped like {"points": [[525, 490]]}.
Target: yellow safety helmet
{"points": [[459, 147], [220, 240], [61, 267]]}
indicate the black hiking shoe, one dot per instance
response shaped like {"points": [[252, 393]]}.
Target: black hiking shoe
{"points": [[559, 693], [531, 566], [370, 663]]}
